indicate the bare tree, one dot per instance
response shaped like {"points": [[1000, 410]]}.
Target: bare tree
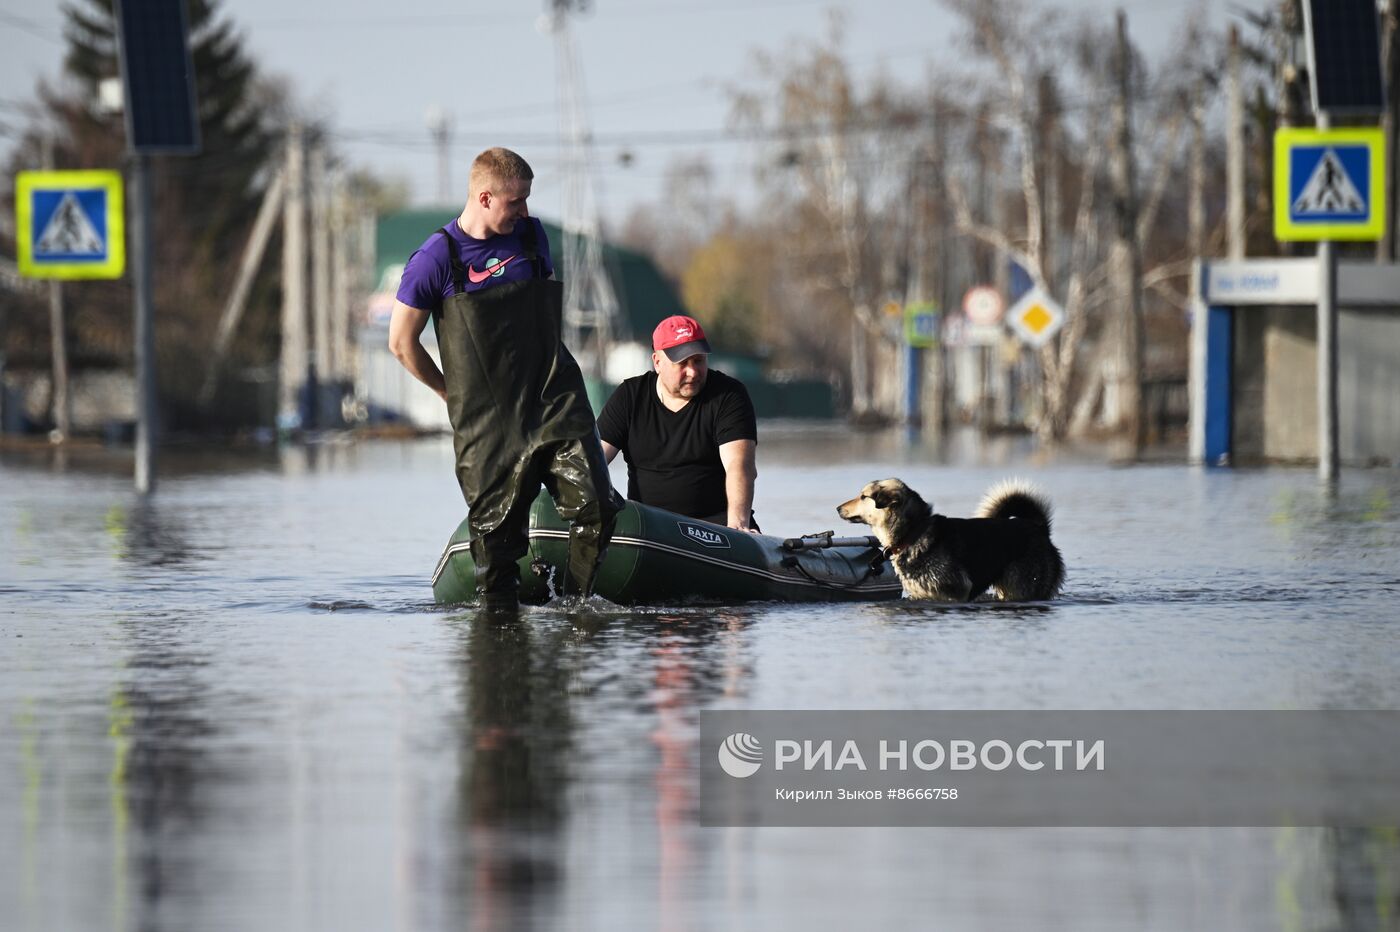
{"points": [[1001, 32], [1061, 152], [688, 214], [843, 156]]}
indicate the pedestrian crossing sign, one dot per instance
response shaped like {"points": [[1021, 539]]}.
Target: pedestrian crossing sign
{"points": [[69, 224], [1329, 184]]}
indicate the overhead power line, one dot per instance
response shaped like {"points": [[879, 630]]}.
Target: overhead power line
{"points": [[33, 27], [471, 18]]}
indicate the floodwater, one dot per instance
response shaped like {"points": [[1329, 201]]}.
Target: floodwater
{"points": [[236, 707]]}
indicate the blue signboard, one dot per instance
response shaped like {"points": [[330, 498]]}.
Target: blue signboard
{"points": [[921, 324]]}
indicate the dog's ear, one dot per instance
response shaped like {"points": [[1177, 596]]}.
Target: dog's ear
{"points": [[884, 498]]}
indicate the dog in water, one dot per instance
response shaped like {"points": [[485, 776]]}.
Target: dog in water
{"points": [[1005, 548]]}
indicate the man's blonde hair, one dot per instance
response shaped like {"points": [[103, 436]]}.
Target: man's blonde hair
{"points": [[497, 165]]}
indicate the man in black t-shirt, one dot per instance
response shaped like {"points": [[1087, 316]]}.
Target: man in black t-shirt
{"points": [[687, 433]]}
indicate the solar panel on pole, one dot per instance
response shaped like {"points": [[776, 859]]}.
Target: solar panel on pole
{"points": [[161, 116], [1344, 56]]}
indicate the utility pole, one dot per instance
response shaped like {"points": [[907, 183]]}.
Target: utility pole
{"points": [[293, 359], [1234, 151], [993, 360], [936, 361], [1049, 118], [340, 281], [1286, 73], [1285, 81], [362, 271], [320, 284], [60, 405], [1124, 256], [440, 128], [1048, 131], [991, 205], [238, 297], [1196, 203], [918, 287]]}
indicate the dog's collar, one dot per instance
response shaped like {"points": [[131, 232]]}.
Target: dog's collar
{"points": [[896, 547], [894, 550]]}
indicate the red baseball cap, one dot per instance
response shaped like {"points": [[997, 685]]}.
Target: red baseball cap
{"points": [[679, 337]]}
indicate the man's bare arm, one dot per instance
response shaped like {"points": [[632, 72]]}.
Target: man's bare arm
{"points": [[405, 329], [609, 450], [740, 470]]}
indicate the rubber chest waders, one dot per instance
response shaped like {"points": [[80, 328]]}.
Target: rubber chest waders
{"points": [[520, 418]]}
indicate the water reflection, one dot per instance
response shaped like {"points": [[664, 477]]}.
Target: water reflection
{"points": [[160, 735], [149, 534], [525, 680], [1363, 866], [687, 675], [515, 737], [328, 454], [187, 699]]}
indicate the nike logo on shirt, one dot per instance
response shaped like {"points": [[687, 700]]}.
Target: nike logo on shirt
{"points": [[476, 278]]}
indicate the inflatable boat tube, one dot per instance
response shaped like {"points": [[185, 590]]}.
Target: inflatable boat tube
{"points": [[657, 557]]}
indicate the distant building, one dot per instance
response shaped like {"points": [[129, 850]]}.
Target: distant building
{"points": [[1254, 365]]}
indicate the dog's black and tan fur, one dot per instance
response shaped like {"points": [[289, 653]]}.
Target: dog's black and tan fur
{"points": [[1005, 548]]}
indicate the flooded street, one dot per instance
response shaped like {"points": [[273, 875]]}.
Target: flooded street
{"points": [[236, 706]]}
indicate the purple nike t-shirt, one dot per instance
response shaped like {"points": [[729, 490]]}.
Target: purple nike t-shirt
{"points": [[427, 277]]}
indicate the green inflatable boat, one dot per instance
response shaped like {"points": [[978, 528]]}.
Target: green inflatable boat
{"points": [[657, 557]]}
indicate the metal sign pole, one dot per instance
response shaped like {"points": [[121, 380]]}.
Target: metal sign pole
{"points": [[161, 117], [62, 406], [1344, 65], [1328, 455], [144, 325]]}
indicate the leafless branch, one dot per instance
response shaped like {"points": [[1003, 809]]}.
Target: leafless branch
{"points": [[987, 234], [1159, 181]]}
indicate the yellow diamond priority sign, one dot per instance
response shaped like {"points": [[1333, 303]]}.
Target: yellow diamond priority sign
{"points": [[1036, 318]]}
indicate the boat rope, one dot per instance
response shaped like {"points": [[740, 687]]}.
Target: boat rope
{"points": [[876, 568]]}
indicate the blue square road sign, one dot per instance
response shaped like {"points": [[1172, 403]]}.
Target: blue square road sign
{"points": [[1329, 184], [69, 224]]}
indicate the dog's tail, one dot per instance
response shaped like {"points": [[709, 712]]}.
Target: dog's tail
{"points": [[1016, 498]]}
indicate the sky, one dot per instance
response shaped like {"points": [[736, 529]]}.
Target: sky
{"points": [[657, 75]]}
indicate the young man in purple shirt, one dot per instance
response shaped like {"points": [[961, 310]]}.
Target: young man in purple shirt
{"points": [[515, 396], [489, 236]]}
